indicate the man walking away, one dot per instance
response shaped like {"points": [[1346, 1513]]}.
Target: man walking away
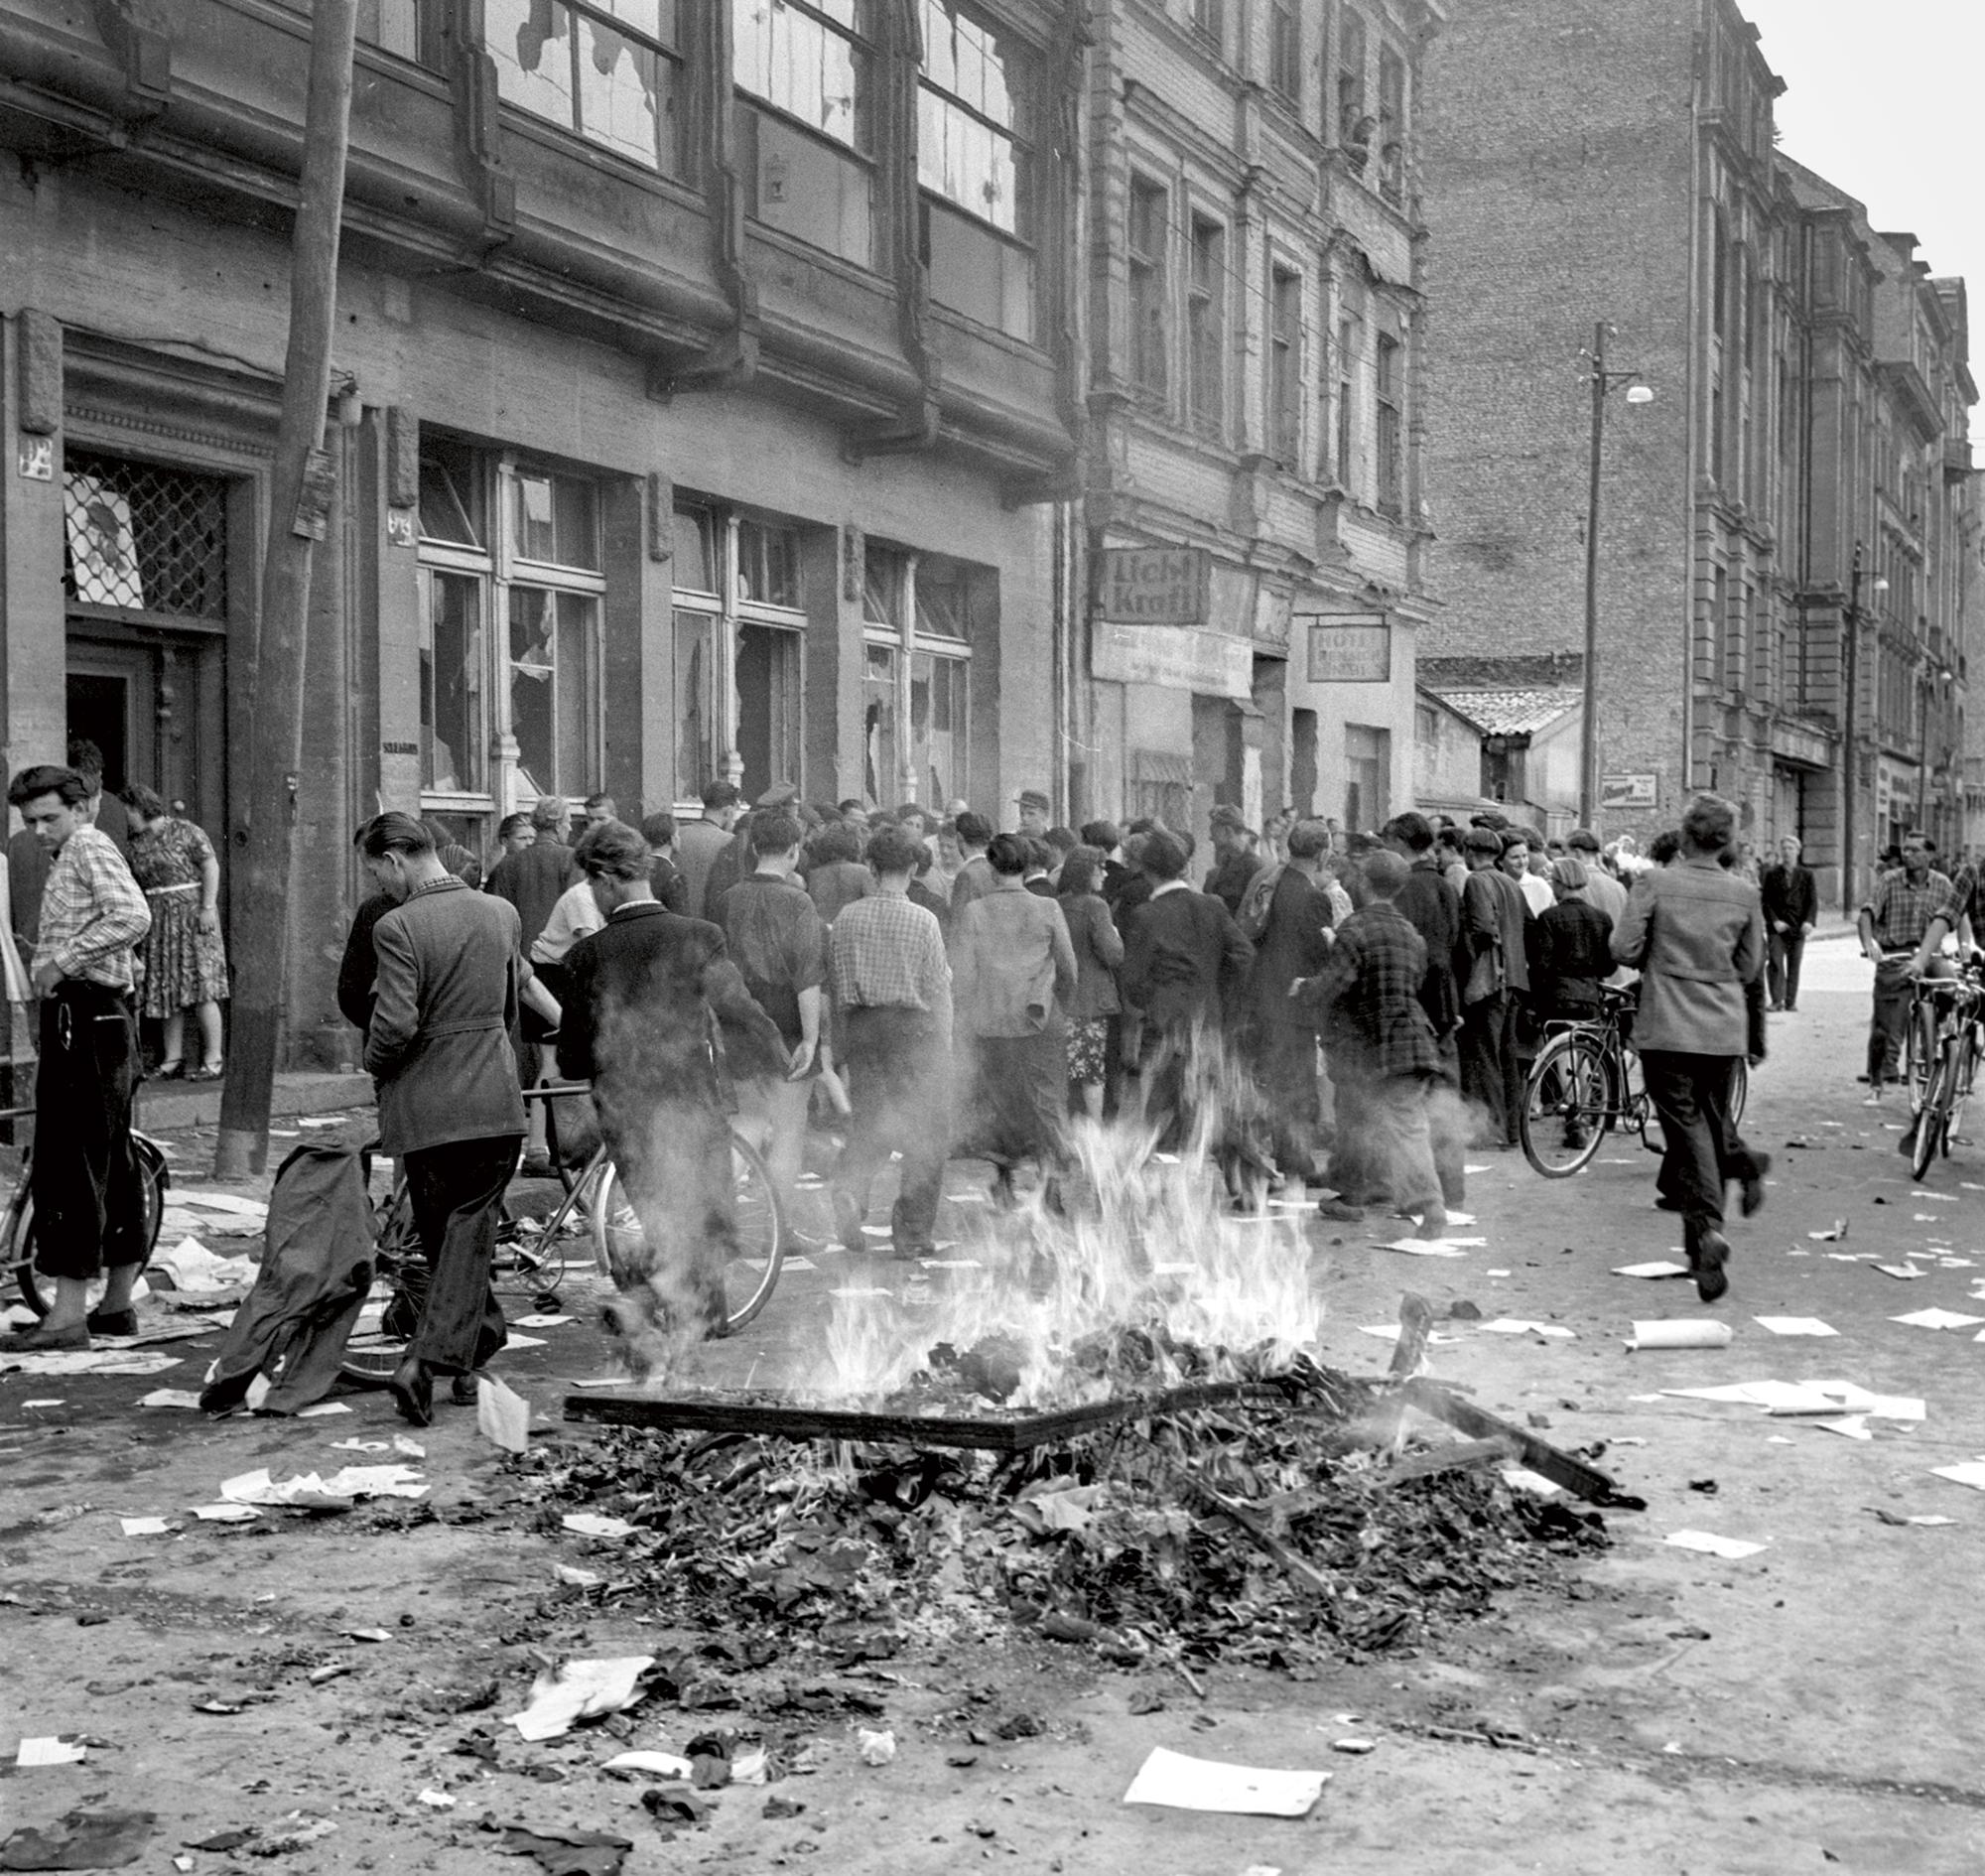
{"points": [[450, 1109], [698, 842], [1367, 1002], [1432, 907], [1492, 970], [891, 986], [1236, 862], [1791, 910], [1013, 974], [1696, 934], [1893, 923], [671, 890], [645, 991], [88, 1202], [779, 944]]}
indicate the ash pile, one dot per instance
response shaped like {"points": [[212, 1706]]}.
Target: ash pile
{"points": [[1203, 1505]]}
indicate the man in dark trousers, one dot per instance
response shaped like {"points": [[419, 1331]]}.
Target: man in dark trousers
{"points": [[88, 1201], [533, 879], [891, 991], [1696, 934], [646, 992], [1281, 1035], [1492, 969], [1432, 907], [1367, 1002], [445, 994], [1186, 963], [1791, 909], [1235, 859]]}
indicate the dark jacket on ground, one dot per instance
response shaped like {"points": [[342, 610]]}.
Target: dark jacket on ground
{"points": [[1184, 960], [446, 1002], [533, 881]]}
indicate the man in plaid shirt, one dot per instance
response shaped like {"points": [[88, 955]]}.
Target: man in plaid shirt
{"points": [[891, 989], [1893, 924], [1366, 1003], [89, 1213]]}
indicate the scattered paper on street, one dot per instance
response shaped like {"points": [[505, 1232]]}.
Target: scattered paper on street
{"points": [[1659, 1267], [1794, 1325], [1390, 1332], [1711, 1544], [1512, 1326], [308, 1492], [1939, 1320], [1180, 1783], [1971, 1472], [664, 1764], [542, 1322], [581, 1690], [1797, 1397], [321, 1409], [597, 1525], [144, 1527], [48, 1751], [1903, 1272], [502, 1416], [171, 1397], [226, 1513], [1852, 1426], [515, 1340], [1834, 1236], [194, 1269], [1433, 1247], [85, 1361], [223, 1202], [360, 1445]]}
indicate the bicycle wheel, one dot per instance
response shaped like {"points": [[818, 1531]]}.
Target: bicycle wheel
{"points": [[1933, 1120], [1919, 1050], [153, 1178], [750, 1273], [378, 1342], [1565, 1105]]}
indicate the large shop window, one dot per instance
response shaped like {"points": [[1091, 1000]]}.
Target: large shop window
{"points": [[976, 103], [917, 613], [610, 70], [811, 62], [511, 570], [739, 629]]}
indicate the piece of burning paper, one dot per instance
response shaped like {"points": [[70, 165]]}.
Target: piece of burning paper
{"points": [[1180, 1783], [48, 1751], [581, 1690], [504, 1418], [1939, 1320], [1711, 1544], [1650, 1271], [1794, 1325]]}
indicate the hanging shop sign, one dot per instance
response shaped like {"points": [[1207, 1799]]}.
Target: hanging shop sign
{"points": [[1348, 647], [1154, 586]]}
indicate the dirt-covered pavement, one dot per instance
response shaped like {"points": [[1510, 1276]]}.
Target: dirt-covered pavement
{"points": [[1807, 1707]]}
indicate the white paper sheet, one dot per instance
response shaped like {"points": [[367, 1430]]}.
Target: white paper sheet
{"points": [[196, 1269], [597, 1525], [85, 1361], [1794, 1325], [226, 1513], [1939, 1320], [1971, 1472], [48, 1751], [579, 1690], [1512, 1326], [1711, 1544], [171, 1397], [1650, 1271], [144, 1527], [1430, 1247], [547, 1322], [1681, 1332], [220, 1202], [1180, 1783], [323, 1409], [502, 1416], [664, 1764], [1903, 1272]]}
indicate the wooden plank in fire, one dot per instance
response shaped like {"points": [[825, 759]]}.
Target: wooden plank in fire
{"points": [[1578, 1478]]}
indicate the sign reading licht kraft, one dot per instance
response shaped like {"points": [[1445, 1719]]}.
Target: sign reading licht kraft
{"points": [[1154, 586], [1349, 647]]}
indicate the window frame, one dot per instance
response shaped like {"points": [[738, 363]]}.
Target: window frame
{"points": [[1148, 273], [673, 162], [1348, 89], [1285, 51], [1022, 135], [866, 49], [1282, 380], [1388, 405], [1206, 327], [907, 642]]}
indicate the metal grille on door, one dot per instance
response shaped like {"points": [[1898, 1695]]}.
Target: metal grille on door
{"points": [[144, 538]]}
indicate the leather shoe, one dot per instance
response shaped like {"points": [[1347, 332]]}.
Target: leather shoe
{"points": [[462, 1389], [412, 1389], [1711, 1254], [112, 1322], [1753, 1185], [72, 1337]]}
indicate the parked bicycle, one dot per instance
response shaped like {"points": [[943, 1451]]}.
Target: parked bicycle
{"points": [[531, 1255], [1586, 1082], [17, 1228], [1954, 1007]]}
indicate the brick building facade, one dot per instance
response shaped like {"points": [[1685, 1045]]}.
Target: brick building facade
{"points": [[1254, 390], [706, 384], [1809, 391]]}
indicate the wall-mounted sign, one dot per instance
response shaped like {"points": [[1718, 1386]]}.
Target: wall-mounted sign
{"points": [[1154, 586], [1628, 792], [1176, 659], [1348, 647]]}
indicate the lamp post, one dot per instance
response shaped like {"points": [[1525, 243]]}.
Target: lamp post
{"points": [[1850, 727], [1603, 381]]}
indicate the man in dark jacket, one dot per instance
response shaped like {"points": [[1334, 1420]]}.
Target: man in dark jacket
{"points": [[646, 993], [1281, 1035], [1791, 909], [533, 879], [1367, 1002], [1236, 862], [450, 1110], [1492, 969], [1186, 963]]}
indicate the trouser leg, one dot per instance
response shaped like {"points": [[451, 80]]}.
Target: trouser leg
{"points": [[1287, 1067], [1691, 1094], [1795, 959], [1401, 1141], [1480, 1054], [1891, 1019], [1513, 1067], [1774, 965], [90, 1213], [457, 1191]]}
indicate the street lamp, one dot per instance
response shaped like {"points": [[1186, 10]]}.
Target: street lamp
{"points": [[1603, 381], [1850, 719]]}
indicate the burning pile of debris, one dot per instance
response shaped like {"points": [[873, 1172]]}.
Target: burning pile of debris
{"points": [[1247, 1507]]}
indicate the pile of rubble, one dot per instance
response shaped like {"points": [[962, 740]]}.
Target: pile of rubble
{"points": [[1290, 1523]]}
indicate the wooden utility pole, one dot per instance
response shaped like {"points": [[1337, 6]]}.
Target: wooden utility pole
{"points": [[298, 495]]}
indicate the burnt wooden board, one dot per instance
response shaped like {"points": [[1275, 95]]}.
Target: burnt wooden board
{"points": [[984, 1433]]}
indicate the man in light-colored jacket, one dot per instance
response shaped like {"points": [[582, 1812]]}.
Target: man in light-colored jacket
{"points": [[1697, 933]]}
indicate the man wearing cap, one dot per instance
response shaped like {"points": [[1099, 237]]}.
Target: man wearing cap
{"points": [[1035, 809], [1491, 966], [974, 879], [1601, 888], [1236, 862]]}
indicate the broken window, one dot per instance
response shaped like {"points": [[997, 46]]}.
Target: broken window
{"points": [[610, 70], [809, 61], [974, 142]]}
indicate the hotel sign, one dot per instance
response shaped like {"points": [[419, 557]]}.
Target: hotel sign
{"points": [[1348, 647], [1154, 586]]}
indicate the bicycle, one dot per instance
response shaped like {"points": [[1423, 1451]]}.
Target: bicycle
{"points": [[1586, 1082], [17, 1228], [1958, 1006], [530, 1262]]}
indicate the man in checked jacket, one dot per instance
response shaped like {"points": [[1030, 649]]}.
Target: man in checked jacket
{"points": [[1366, 1003]]}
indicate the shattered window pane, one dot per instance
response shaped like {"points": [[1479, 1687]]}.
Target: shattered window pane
{"points": [[453, 738], [606, 70], [553, 692], [806, 61], [972, 131]]}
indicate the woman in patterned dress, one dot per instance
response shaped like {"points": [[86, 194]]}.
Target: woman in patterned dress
{"points": [[185, 965]]}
